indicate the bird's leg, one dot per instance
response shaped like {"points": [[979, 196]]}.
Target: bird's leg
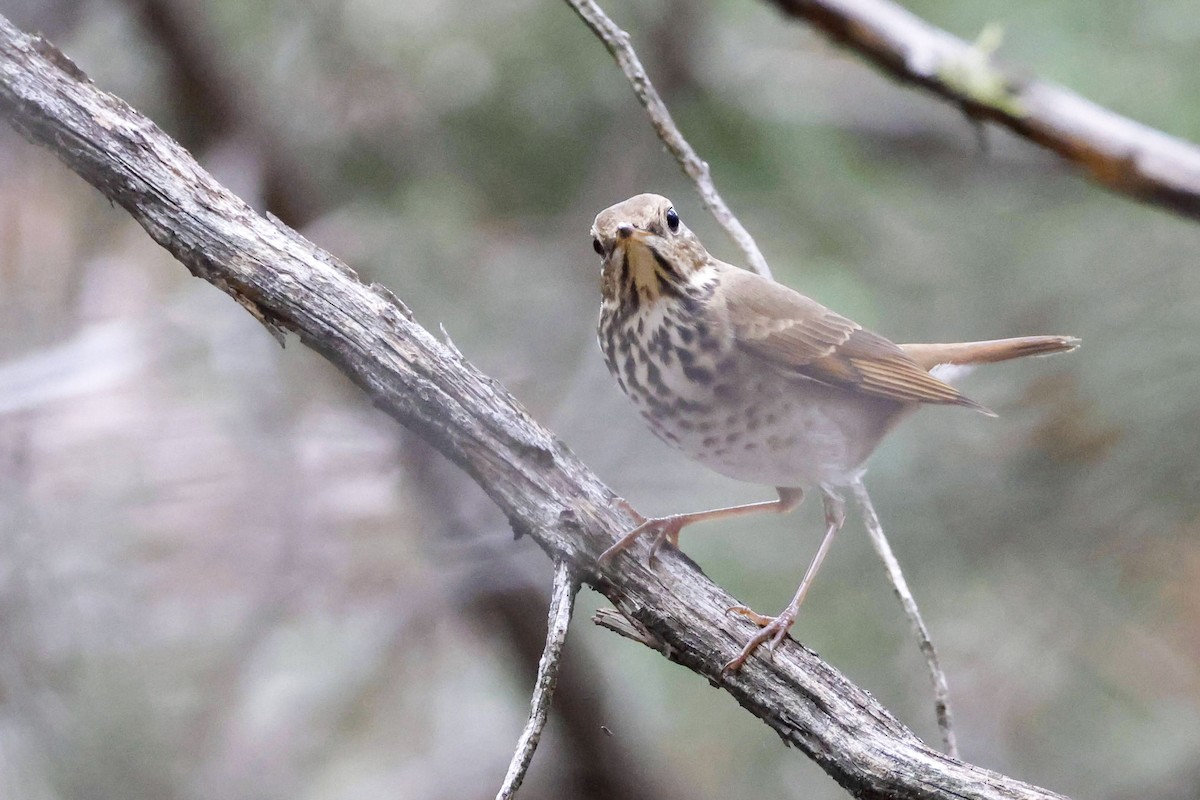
{"points": [[666, 529], [775, 628]]}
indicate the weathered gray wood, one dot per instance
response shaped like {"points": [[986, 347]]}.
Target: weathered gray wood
{"points": [[547, 493]]}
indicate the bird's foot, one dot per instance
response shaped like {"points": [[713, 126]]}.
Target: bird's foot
{"points": [[666, 531], [774, 629]]}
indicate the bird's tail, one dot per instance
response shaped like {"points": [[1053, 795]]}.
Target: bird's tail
{"points": [[929, 356]]}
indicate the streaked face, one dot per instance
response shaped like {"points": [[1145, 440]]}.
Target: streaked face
{"points": [[645, 248]]}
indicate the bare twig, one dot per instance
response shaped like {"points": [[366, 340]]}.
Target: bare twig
{"points": [[941, 691], [622, 625], [546, 493], [562, 601], [1125, 156], [618, 44]]}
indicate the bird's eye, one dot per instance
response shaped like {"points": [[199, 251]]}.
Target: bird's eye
{"points": [[672, 220], [599, 248]]}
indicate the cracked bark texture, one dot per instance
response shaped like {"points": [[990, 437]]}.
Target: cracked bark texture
{"points": [[291, 285]]}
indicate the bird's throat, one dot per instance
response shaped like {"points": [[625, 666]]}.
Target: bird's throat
{"points": [[649, 274]]}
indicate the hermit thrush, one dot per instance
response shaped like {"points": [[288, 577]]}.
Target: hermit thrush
{"points": [[755, 380]]}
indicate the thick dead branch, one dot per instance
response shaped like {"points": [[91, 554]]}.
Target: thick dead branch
{"points": [[291, 285], [1125, 156], [618, 45]]}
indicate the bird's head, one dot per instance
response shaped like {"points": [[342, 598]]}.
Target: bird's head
{"points": [[645, 248]]}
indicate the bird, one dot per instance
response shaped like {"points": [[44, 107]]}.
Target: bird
{"points": [[757, 381]]}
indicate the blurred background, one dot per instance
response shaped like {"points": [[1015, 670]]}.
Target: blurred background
{"points": [[226, 575]]}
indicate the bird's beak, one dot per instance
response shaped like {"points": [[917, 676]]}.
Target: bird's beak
{"points": [[627, 232]]}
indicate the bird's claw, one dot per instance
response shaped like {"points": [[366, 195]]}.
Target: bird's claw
{"points": [[666, 531], [761, 620], [772, 631]]}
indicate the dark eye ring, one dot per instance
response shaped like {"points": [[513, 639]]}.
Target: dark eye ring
{"points": [[672, 220], [599, 248]]}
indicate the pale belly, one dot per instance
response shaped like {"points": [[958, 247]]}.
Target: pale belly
{"points": [[753, 424], [781, 432]]}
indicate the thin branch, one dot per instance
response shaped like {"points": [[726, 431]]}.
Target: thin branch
{"points": [[618, 44], [1124, 156], [290, 284], [622, 625], [562, 602], [941, 690]]}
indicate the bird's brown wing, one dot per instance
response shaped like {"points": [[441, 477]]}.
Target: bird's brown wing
{"points": [[801, 337]]}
